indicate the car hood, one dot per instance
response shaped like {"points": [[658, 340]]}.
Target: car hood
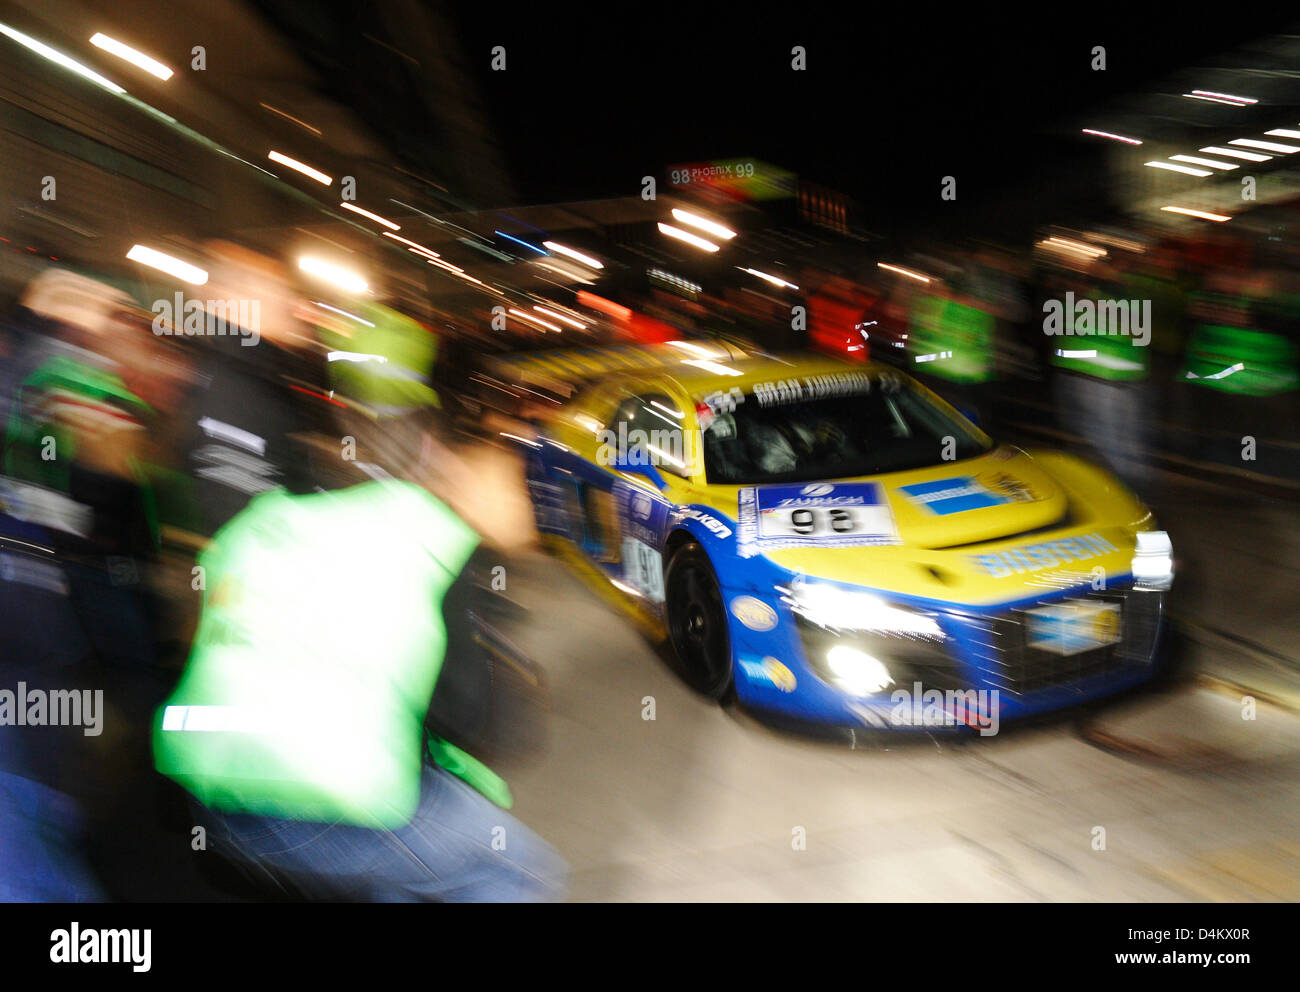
{"points": [[1002, 526]]}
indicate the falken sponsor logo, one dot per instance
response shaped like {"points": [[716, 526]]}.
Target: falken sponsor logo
{"points": [[712, 523], [1048, 554]]}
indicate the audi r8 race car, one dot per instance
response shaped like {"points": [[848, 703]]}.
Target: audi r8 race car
{"points": [[835, 543]]}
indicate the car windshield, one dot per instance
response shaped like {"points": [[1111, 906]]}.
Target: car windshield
{"points": [[832, 426]]}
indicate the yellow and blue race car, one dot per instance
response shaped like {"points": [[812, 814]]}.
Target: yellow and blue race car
{"points": [[836, 543]]}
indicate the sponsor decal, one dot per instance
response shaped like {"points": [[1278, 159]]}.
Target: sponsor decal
{"points": [[1073, 627], [799, 389], [753, 613], [955, 495], [1048, 554], [814, 515], [714, 525], [643, 568], [769, 671]]}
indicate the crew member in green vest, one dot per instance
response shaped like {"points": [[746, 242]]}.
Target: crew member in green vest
{"points": [[951, 344], [1100, 352], [313, 721]]}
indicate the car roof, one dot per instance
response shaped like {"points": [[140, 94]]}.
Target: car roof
{"points": [[701, 378]]}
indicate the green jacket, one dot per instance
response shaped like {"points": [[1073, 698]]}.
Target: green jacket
{"points": [[318, 649]]}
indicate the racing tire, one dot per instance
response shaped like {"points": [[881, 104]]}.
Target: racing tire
{"points": [[697, 623]]}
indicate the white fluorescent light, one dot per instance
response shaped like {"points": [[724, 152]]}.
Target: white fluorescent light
{"points": [[1113, 137], [183, 271], [1236, 153], [903, 272], [306, 170], [375, 217], [137, 59], [1212, 163], [1225, 96], [355, 356], [1204, 215], [58, 58], [559, 316], [406, 241], [577, 256], [337, 275], [687, 236], [708, 226], [1281, 132], [772, 279], [1185, 169], [1268, 146]]}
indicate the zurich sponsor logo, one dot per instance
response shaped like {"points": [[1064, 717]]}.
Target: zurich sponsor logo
{"points": [[817, 489]]}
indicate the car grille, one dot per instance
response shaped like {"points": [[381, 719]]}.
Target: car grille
{"points": [[1010, 664]]}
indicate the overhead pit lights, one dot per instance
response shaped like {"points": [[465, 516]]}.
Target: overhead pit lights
{"points": [[129, 54], [1226, 97], [155, 259], [335, 275], [1268, 146], [1204, 215], [1185, 169], [574, 254], [1237, 153], [367, 214], [297, 166], [1212, 163], [59, 59], [1112, 137], [703, 224], [903, 272], [687, 236]]}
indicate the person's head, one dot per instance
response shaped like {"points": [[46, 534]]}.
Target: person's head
{"points": [[245, 282]]}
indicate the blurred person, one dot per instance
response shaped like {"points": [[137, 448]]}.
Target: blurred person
{"points": [[339, 703], [951, 343], [1100, 380], [258, 388]]}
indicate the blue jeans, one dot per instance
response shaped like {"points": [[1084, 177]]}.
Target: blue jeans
{"points": [[40, 840], [458, 847]]}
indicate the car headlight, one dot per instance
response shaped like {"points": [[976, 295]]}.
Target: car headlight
{"points": [[857, 672], [842, 609], [1153, 561]]}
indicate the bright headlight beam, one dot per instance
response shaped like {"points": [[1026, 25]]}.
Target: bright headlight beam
{"points": [[574, 254], [163, 262], [302, 167], [704, 224], [367, 214], [59, 59], [1237, 153], [1185, 169], [336, 275], [687, 236], [129, 54]]}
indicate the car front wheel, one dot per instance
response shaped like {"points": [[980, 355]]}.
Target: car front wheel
{"points": [[697, 622]]}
